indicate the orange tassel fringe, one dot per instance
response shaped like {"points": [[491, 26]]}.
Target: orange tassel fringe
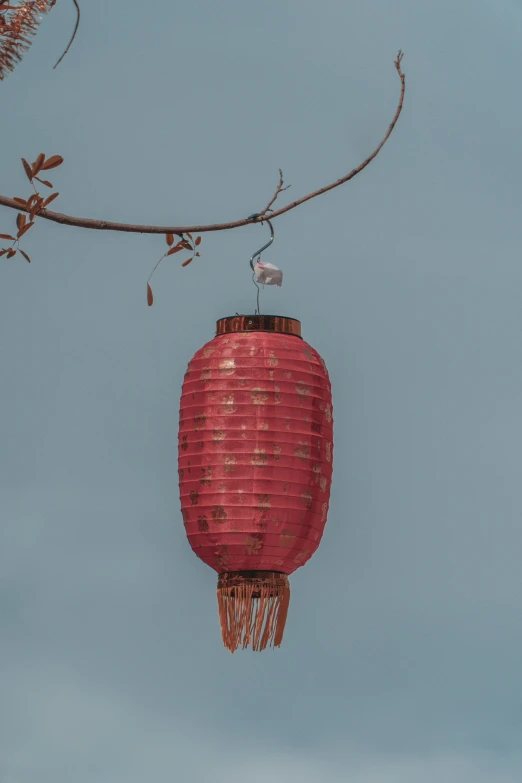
{"points": [[253, 606]]}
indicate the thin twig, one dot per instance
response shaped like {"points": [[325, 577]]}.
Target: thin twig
{"points": [[104, 225], [279, 190], [73, 35]]}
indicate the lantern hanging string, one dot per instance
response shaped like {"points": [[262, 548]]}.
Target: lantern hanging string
{"points": [[258, 255]]}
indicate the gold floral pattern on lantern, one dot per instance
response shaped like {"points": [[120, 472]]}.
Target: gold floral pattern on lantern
{"points": [[308, 354], [200, 420], [324, 483], [222, 556], [306, 498], [222, 488], [263, 502], [194, 497], [184, 444], [328, 452], [277, 452], [303, 390], [227, 404], [324, 513], [328, 413], [207, 352], [286, 539], [301, 557], [203, 524], [206, 375], [206, 476], [218, 436], [259, 396], [230, 462], [272, 360], [219, 514], [252, 544], [227, 367], [259, 458], [302, 450]]}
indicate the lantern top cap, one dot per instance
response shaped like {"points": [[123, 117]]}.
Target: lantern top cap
{"points": [[258, 323]]}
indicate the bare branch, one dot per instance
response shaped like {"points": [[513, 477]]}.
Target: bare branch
{"points": [[104, 225], [73, 35], [279, 190]]}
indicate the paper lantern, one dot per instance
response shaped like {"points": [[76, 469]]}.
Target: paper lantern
{"points": [[255, 467]]}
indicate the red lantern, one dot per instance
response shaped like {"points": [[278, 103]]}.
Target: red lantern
{"points": [[255, 467]]}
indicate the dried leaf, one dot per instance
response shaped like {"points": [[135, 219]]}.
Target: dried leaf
{"points": [[52, 163], [25, 255], [198, 241], [198, 255], [37, 165], [30, 200], [189, 235], [6, 236], [4, 251], [28, 170], [20, 220], [174, 250], [170, 239], [186, 245], [45, 182], [50, 198], [187, 262], [11, 253], [21, 201], [24, 230], [150, 298]]}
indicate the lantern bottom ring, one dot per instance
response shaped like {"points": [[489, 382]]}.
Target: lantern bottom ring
{"points": [[253, 606]]}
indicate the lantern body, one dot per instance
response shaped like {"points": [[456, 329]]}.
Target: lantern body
{"points": [[255, 449]]}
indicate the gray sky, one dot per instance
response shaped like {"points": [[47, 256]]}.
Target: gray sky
{"points": [[401, 659]]}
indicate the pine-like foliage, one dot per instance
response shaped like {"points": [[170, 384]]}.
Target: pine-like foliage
{"points": [[18, 23]]}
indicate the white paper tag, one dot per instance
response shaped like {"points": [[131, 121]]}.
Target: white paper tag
{"points": [[268, 274]]}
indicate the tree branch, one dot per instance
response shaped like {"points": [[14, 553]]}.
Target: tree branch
{"points": [[104, 225], [73, 35]]}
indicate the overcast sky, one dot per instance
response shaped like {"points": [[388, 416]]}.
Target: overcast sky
{"points": [[401, 661]]}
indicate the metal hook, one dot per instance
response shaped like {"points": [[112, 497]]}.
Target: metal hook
{"points": [[257, 255]]}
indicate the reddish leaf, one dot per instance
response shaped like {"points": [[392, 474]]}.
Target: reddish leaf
{"points": [[21, 201], [198, 241], [37, 165], [187, 262], [150, 298], [24, 230], [189, 235], [198, 255], [4, 251], [186, 245], [25, 255], [6, 236], [52, 163], [50, 198], [11, 253], [174, 250], [28, 170], [170, 239], [30, 200], [20, 220], [45, 182]]}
